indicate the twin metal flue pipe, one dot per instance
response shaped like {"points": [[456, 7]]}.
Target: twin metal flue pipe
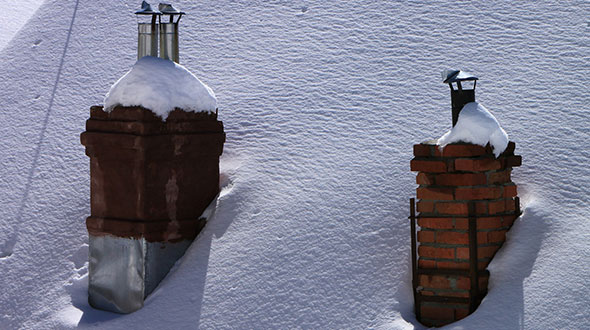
{"points": [[147, 33]]}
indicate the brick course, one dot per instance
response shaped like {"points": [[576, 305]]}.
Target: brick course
{"points": [[462, 179], [428, 166]]}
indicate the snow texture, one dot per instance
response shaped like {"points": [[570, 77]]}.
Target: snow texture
{"points": [[161, 86], [321, 103], [478, 126], [14, 16]]}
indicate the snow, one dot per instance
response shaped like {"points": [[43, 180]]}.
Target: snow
{"points": [[161, 86], [478, 126], [14, 16], [321, 102]]}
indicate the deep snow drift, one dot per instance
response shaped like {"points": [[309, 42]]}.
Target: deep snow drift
{"points": [[160, 85], [322, 102], [478, 126]]}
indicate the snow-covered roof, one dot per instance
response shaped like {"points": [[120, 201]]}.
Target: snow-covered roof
{"points": [[310, 229]]}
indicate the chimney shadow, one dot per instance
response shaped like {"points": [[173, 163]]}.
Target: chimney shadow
{"points": [[509, 269]]}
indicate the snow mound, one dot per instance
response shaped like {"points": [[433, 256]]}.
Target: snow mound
{"points": [[478, 126], [161, 85]]}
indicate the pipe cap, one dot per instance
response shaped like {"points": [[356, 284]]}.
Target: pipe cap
{"points": [[168, 9], [146, 9], [450, 76]]}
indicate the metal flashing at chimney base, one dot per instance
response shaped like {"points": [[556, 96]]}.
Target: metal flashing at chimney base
{"points": [[146, 264]]}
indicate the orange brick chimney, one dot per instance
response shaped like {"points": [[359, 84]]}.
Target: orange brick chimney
{"points": [[466, 204]]}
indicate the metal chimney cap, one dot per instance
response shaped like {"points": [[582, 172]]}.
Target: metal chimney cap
{"points": [[146, 9], [168, 9], [450, 76]]}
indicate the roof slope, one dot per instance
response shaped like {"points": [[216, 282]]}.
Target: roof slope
{"points": [[321, 108]]}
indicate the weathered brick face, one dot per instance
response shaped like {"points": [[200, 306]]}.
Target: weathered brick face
{"points": [[151, 178], [448, 182]]}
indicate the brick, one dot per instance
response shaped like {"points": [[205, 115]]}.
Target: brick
{"points": [[462, 253], [460, 294], [481, 265], [487, 251], [451, 208], [452, 265], [463, 179], [422, 150], [497, 206], [452, 237], [513, 161], [482, 252], [483, 282], [496, 236], [482, 223], [436, 252], [463, 283], [463, 150], [510, 205], [477, 165], [436, 152], [435, 193], [425, 236], [478, 193], [436, 223], [459, 265], [462, 223], [428, 166], [482, 237], [510, 191], [426, 263], [426, 207], [434, 281], [508, 220], [424, 178], [499, 177], [437, 312], [461, 313], [509, 149], [485, 262], [450, 165], [489, 223], [433, 323], [481, 207]]}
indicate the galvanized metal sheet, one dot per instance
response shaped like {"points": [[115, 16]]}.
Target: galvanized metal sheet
{"points": [[169, 41], [116, 273], [159, 259], [123, 271], [147, 40]]}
